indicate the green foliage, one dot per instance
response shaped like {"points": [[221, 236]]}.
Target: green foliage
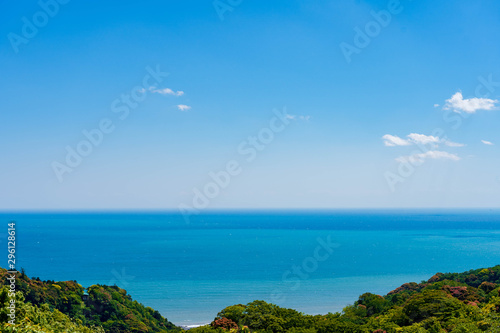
{"points": [[233, 312], [108, 307], [433, 303], [206, 329], [31, 318], [374, 304], [446, 303], [452, 302]]}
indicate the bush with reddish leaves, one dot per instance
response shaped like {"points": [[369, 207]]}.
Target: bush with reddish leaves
{"points": [[435, 278], [224, 323], [457, 292], [464, 293], [412, 286]]}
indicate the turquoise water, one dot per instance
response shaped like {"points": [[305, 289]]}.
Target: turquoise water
{"points": [[313, 262]]}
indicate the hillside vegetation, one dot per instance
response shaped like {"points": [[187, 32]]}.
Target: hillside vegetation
{"points": [[456, 303], [108, 308], [452, 302]]}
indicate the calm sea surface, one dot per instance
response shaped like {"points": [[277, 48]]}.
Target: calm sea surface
{"points": [[313, 262]]}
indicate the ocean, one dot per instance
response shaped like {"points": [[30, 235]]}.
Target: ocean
{"points": [[315, 262]]}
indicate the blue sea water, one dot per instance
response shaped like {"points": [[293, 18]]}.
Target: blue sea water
{"points": [[316, 262]]}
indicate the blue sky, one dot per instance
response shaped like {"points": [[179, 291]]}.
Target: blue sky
{"points": [[408, 119]]}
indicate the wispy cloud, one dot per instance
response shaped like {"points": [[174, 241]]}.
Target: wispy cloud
{"points": [[295, 117], [166, 91], [432, 154], [392, 140], [458, 104], [487, 142], [183, 107], [453, 144], [418, 139]]}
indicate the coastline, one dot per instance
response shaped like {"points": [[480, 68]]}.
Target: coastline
{"points": [[314, 297], [189, 279], [188, 327]]}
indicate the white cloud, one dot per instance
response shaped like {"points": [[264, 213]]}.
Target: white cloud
{"points": [[453, 144], [166, 91], [422, 138], [432, 154], [392, 140], [418, 139], [487, 142], [436, 105], [183, 107], [458, 104]]}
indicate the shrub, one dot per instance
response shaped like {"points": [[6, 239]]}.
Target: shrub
{"points": [[224, 323]]}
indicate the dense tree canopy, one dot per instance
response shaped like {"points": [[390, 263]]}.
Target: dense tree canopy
{"points": [[109, 307], [452, 302]]}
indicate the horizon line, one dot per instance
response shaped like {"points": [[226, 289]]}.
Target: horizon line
{"points": [[240, 210]]}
